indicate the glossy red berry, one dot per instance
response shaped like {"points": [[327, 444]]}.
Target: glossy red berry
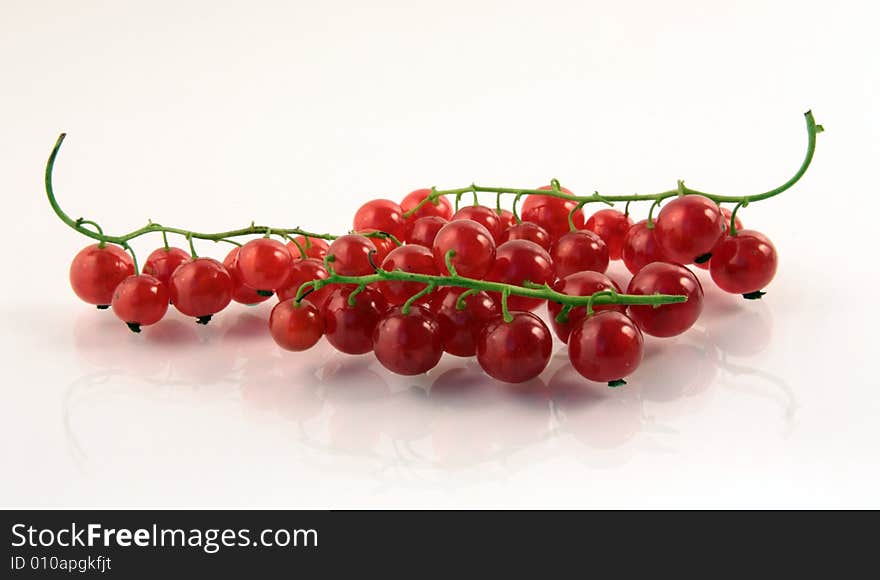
{"points": [[241, 292], [473, 245], [739, 225], [486, 217], [516, 262], [140, 301], [163, 262], [606, 347], [412, 259], [508, 220], [527, 231], [580, 284], [304, 271], [201, 288], [313, 247], [263, 264], [460, 329], [408, 344], [611, 225], [384, 245], [349, 328], [516, 351], [579, 251], [296, 327], [96, 272], [351, 255], [668, 319], [442, 209], [423, 231], [688, 227], [551, 213], [744, 263], [641, 248], [381, 215]]}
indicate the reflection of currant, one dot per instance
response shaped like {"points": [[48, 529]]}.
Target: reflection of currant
{"points": [[375, 288]]}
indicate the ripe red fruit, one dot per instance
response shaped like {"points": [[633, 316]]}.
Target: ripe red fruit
{"points": [[140, 301], [382, 215], [304, 271], [640, 247], [296, 327], [423, 230], [527, 231], [413, 259], [350, 328], [408, 344], [688, 227], [163, 262], [314, 247], [96, 272], [606, 347], [611, 225], [508, 220], [739, 225], [551, 213], [460, 329], [473, 245], [241, 293], [201, 288], [516, 351], [518, 261], [482, 215], [580, 284], [743, 263], [384, 245], [578, 252], [351, 255], [443, 208], [263, 264], [668, 319]]}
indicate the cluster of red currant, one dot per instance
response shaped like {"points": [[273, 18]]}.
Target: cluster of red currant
{"points": [[420, 278]]}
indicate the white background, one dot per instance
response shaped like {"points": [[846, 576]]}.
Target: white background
{"points": [[209, 114]]}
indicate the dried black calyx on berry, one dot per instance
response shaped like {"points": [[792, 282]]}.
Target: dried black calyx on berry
{"points": [[133, 326], [756, 295], [102, 306], [616, 383], [702, 259], [204, 319], [266, 293]]}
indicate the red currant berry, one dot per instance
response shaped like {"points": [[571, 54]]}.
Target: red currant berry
{"points": [[442, 209], [668, 319], [314, 247], [351, 255], [306, 271], [296, 327], [460, 329], [140, 301], [473, 245], [412, 259], [241, 292], [743, 263], [423, 230], [484, 216], [640, 247], [384, 245], [527, 231], [350, 328], [201, 288], [611, 225], [163, 262], [381, 215], [739, 225], [580, 284], [508, 220], [516, 262], [606, 347], [516, 351], [263, 264], [551, 213], [579, 251], [96, 272], [408, 344], [688, 227]]}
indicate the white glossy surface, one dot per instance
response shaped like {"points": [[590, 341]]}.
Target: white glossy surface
{"points": [[212, 115]]}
